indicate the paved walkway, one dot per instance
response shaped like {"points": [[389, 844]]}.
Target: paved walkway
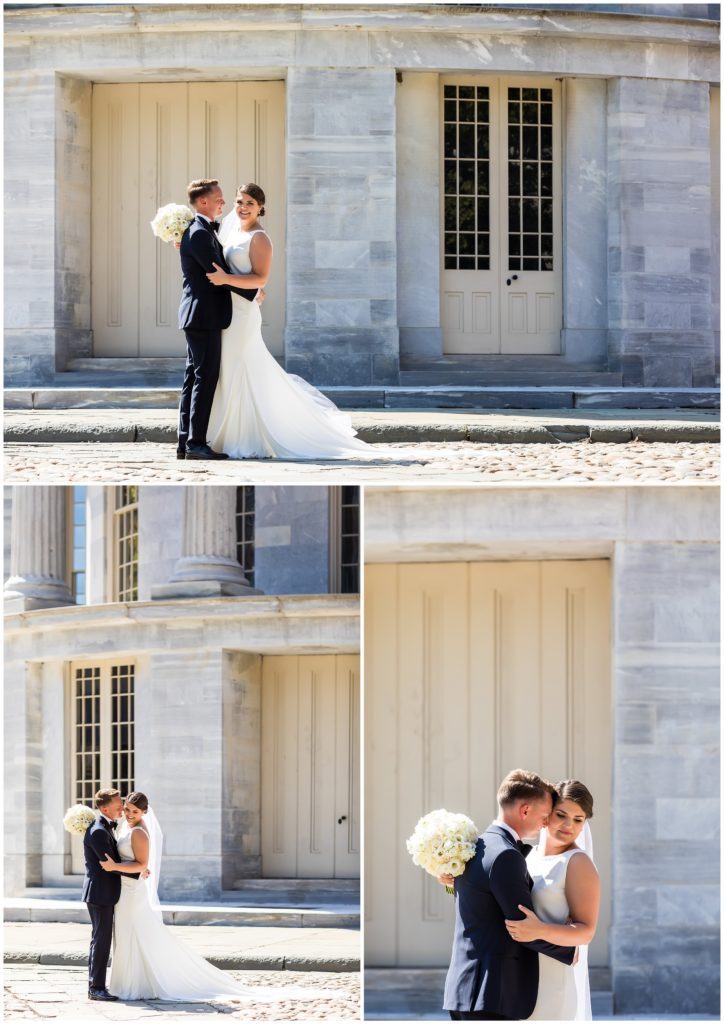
{"points": [[60, 993], [446, 462], [228, 947]]}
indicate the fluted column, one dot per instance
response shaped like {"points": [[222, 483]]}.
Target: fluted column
{"points": [[38, 546], [208, 566]]}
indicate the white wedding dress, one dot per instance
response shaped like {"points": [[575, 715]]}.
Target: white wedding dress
{"points": [[150, 962], [563, 992], [259, 410]]}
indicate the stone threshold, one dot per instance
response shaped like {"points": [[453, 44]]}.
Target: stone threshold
{"points": [[123, 396], [65, 911]]}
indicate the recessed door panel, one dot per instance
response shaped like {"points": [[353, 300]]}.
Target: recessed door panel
{"points": [[473, 669], [148, 141]]}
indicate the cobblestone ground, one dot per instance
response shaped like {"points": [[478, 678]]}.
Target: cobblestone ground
{"points": [[35, 992], [445, 462]]}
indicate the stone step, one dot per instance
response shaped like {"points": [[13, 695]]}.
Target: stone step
{"points": [[344, 914], [66, 395], [416, 993], [513, 378]]}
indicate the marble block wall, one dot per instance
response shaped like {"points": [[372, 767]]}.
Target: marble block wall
{"points": [[665, 934], [241, 796], [341, 250], [291, 546], [659, 232], [179, 764]]}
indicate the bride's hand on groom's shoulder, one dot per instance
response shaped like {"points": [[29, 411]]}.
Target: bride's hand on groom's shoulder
{"points": [[526, 929]]}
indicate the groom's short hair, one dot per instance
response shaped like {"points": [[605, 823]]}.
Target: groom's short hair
{"points": [[521, 785], [104, 797], [200, 187]]}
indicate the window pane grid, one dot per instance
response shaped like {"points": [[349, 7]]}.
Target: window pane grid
{"points": [[77, 573], [122, 727], [349, 540], [103, 713], [126, 542], [245, 525], [87, 710], [530, 179], [466, 175]]}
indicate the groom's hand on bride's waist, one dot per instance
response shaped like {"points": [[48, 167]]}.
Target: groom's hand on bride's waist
{"points": [[145, 873]]}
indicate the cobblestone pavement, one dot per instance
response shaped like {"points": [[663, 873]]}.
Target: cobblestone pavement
{"points": [[445, 462], [35, 992]]}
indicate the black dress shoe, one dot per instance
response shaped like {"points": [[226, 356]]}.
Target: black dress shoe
{"points": [[204, 452], [102, 995], [180, 453]]}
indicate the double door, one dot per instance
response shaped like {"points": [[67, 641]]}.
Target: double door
{"points": [[471, 670], [149, 141], [310, 767], [501, 215]]}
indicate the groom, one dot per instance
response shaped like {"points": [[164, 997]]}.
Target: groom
{"points": [[204, 312], [101, 889], [492, 977]]}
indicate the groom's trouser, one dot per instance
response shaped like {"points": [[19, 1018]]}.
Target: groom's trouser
{"points": [[476, 1015], [100, 945], [203, 359]]}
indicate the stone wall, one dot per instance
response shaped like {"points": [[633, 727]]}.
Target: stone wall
{"points": [[659, 233]]}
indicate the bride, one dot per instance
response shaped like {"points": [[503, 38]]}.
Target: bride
{"points": [[149, 961], [259, 410], [566, 897]]}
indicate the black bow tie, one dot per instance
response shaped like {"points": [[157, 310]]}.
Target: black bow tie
{"points": [[112, 824], [523, 847], [214, 226]]}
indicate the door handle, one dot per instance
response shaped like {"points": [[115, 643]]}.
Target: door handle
{"points": [[340, 820], [513, 278]]}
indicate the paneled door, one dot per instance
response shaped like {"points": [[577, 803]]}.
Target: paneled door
{"points": [[310, 767], [471, 670], [501, 215], [102, 721], [149, 141]]}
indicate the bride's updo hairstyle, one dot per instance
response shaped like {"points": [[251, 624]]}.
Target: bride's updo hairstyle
{"points": [[256, 192], [570, 789], [139, 800]]}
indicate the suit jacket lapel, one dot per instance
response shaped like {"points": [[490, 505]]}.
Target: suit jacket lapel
{"points": [[506, 835]]}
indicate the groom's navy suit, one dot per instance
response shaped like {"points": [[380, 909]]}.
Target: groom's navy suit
{"points": [[204, 312], [489, 971], [101, 892]]}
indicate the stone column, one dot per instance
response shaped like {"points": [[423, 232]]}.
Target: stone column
{"points": [[341, 232], [659, 233], [38, 546], [208, 566]]}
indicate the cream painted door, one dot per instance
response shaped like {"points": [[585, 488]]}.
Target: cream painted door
{"points": [[148, 141], [501, 215], [471, 670], [310, 767]]}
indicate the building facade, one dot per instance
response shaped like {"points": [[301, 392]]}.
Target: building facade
{"points": [[570, 631], [510, 194], [139, 655]]}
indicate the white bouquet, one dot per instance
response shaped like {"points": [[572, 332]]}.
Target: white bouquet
{"points": [[171, 221], [77, 819], [443, 843]]}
